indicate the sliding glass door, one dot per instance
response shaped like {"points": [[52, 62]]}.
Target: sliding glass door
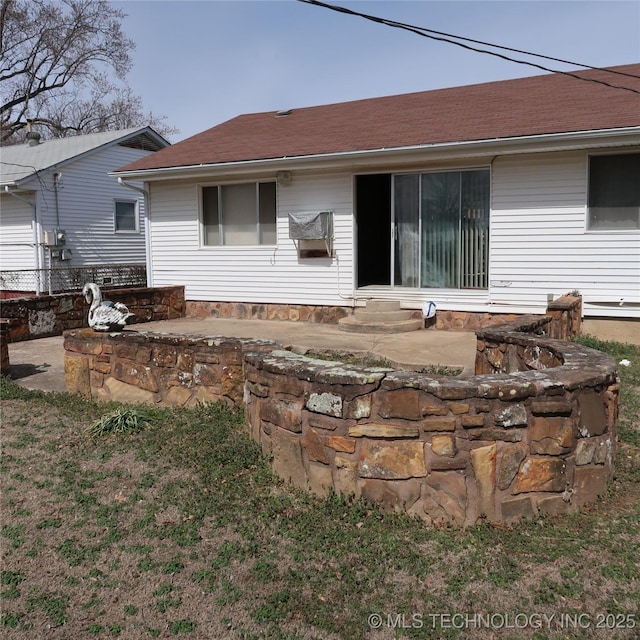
{"points": [[441, 229], [406, 211]]}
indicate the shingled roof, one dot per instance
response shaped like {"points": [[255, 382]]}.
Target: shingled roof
{"points": [[538, 105], [20, 162]]}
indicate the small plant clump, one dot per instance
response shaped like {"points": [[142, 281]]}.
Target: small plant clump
{"points": [[363, 359], [120, 421]]}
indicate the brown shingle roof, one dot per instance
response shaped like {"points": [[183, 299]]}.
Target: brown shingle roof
{"points": [[546, 104]]}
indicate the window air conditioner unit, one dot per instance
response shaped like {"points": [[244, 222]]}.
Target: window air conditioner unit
{"points": [[311, 226], [312, 233]]}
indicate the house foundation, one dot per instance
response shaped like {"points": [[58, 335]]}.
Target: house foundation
{"points": [[445, 320]]}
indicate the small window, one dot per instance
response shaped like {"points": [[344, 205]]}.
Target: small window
{"points": [[614, 192], [239, 214], [126, 218]]}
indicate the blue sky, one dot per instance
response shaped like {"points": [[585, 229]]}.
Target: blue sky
{"points": [[203, 62]]}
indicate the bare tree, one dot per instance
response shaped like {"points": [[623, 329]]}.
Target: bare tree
{"points": [[63, 65]]}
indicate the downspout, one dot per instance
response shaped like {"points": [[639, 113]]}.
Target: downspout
{"points": [[489, 261], [37, 237], [147, 228]]}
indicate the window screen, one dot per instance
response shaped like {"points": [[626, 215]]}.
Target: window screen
{"points": [[614, 192]]}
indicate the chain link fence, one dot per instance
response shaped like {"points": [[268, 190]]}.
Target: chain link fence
{"points": [[30, 282]]}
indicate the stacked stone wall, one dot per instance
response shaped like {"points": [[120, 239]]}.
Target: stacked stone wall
{"points": [[566, 317], [5, 365], [43, 316], [534, 431], [157, 368], [500, 446]]}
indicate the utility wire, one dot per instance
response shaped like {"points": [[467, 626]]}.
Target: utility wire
{"points": [[394, 23], [446, 37], [36, 172]]}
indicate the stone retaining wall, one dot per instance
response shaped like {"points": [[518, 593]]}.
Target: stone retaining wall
{"points": [[157, 368], [43, 316], [5, 365], [534, 438], [565, 313], [533, 432]]}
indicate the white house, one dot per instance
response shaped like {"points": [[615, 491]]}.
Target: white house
{"points": [[486, 198], [60, 208]]}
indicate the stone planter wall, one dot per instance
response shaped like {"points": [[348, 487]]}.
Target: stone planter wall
{"points": [[565, 313], [157, 368], [533, 432], [43, 316], [5, 365], [566, 317], [503, 445]]}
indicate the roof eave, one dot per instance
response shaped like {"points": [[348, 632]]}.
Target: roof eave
{"points": [[19, 184], [146, 130], [375, 157]]}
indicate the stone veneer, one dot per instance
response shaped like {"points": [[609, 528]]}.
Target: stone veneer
{"points": [[51, 315], [267, 311], [445, 320], [534, 431]]}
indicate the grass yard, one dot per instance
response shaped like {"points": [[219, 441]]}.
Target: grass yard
{"points": [[177, 528]]}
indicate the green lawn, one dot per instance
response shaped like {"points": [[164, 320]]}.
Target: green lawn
{"points": [[178, 528]]}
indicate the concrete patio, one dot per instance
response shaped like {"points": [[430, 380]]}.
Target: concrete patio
{"points": [[39, 364]]}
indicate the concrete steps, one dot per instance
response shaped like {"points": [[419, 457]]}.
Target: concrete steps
{"points": [[381, 316]]}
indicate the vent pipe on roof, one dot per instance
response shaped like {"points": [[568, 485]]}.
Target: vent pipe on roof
{"points": [[32, 137]]}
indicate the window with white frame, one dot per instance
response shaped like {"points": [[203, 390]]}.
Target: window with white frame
{"points": [[614, 192], [239, 214], [126, 216]]}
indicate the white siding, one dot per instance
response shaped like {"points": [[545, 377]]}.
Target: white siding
{"points": [[86, 209], [259, 274], [540, 245], [17, 249]]}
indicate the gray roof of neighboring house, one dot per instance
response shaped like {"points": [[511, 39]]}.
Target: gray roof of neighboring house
{"points": [[20, 162]]}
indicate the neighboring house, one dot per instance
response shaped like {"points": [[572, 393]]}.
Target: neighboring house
{"points": [[486, 198], [63, 185]]}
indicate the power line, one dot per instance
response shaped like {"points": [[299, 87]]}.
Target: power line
{"points": [[446, 37], [36, 172]]}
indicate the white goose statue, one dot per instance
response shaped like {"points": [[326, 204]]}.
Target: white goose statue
{"points": [[104, 315]]}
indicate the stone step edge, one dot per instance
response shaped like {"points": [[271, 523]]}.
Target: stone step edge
{"points": [[353, 325], [365, 315], [382, 305]]}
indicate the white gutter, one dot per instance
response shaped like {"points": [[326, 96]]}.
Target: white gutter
{"points": [[147, 228], [506, 146], [37, 236]]}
